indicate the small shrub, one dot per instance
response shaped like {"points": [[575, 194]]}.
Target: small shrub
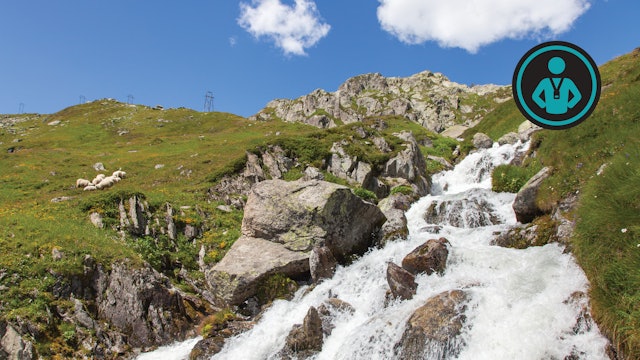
{"points": [[510, 178], [365, 194], [402, 189], [277, 286]]}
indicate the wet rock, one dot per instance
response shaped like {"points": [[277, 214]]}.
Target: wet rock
{"points": [[433, 330], [401, 282], [466, 212], [322, 264], [525, 205], [305, 340], [428, 258], [482, 141], [206, 348], [330, 310]]}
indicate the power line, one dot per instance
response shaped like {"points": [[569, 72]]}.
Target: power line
{"points": [[208, 101], [82, 99], [21, 108], [130, 99]]}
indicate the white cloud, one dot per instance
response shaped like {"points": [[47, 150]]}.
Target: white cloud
{"points": [[470, 24], [293, 28]]}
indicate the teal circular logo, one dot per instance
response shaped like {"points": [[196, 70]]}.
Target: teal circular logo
{"points": [[556, 85]]}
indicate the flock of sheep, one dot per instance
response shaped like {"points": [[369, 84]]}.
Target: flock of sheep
{"points": [[101, 181]]}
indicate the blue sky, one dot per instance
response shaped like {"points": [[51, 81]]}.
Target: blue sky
{"points": [[250, 52]]}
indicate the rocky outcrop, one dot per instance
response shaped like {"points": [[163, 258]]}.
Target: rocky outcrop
{"points": [[433, 330], [393, 208], [427, 98], [525, 205], [409, 164], [428, 258], [283, 221], [401, 282], [125, 306], [13, 346]]}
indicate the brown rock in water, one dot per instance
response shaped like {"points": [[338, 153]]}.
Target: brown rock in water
{"points": [[435, 327], [428, 258], [401, 282], [525, 205], [304, 340]]}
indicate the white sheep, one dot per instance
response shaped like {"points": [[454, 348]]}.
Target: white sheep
{"points": [[119, 173], [105, 183], [98, 178], [82, 183], [90, 188]]}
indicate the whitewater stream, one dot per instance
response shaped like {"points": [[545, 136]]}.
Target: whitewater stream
{"points": [[519, 305]]}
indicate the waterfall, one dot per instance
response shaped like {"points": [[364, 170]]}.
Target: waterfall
{"points": [[520, 300]]}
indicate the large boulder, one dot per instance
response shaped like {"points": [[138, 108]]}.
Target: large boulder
{"points": [[302, 214], [283, 221], [427, 258], [525, 205], [409, 164], [434, 328], [249, 262]]}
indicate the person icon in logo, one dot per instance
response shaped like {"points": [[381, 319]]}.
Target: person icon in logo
{"points": [[560, 94]]}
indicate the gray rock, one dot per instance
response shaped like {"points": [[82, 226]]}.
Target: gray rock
{"points": [[322, 264], [428, 258], [524, 204], [381, 144], [302, 214], [331, 310], [482, 141], [56, 254], [442, 161], [13, 346], [409, 164], [248, 263], [434, 328], [98, 166], [253, 170], [509, 138], [401, 282], [312, 173], [96, 220], [142, 304]]}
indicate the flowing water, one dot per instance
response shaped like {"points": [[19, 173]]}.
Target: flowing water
{"points": [[520, 303]]}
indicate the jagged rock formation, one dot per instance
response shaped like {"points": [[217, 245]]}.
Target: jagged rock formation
{"points": [[427, 98], [428, 258]]}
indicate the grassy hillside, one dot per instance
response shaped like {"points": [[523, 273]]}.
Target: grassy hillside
{"points": [[172, 156], [607, 239]]}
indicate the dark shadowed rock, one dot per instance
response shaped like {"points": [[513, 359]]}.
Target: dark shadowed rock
{"points": [[322, 264], [401, 282], [434, 328], [524, 204], [428, 258]]}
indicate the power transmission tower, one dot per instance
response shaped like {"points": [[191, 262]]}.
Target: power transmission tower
{"points": [[130, 99], [21, 108], [208, 101], [82, 99]]}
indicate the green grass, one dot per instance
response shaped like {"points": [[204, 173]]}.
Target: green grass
{"points": [[607, 234], [607, 243], [510, 178]]}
